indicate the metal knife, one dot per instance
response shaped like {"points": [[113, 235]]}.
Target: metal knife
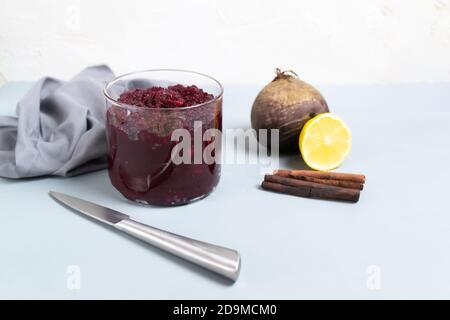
{"points": [[224, 261]]}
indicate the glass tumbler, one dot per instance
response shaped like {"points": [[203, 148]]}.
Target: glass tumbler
{"points": [[163, 156]]}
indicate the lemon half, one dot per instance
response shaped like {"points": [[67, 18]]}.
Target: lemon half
{"points": [[324, 142]]}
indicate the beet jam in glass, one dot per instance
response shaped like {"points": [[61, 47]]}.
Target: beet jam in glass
{"points": [[160, 125]]}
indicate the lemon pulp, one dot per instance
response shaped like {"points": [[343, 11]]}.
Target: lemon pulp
{"points": [[324, 142]]}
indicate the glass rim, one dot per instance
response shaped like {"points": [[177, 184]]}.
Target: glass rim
{"points": [[129, 106]]}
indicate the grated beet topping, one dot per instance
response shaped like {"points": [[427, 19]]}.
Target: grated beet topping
{"points": [[176, 96]]}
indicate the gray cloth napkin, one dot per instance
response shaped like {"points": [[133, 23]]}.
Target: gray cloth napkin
{"points": [[59, 129]]}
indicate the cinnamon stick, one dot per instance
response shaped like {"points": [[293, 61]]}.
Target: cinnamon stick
{"points": [[352, 177], [277, 187], [308, 189], [331, 182]]}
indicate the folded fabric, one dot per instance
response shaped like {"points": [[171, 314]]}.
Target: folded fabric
{"points": [[59, 129]]}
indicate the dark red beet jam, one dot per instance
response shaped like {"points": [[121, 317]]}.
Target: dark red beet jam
{"points": [[177, 96], [140, 146]]}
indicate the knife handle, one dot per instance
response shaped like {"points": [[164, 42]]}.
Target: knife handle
{"points": [[224, 261]]}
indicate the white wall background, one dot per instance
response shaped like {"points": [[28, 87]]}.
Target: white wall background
{"points": [[237, 41]]}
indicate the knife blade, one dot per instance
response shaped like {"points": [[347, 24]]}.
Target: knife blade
{"points": [[218, 259], [90, 209]]}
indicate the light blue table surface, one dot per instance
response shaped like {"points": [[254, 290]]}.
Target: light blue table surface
{"points": [[393, 243]]}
